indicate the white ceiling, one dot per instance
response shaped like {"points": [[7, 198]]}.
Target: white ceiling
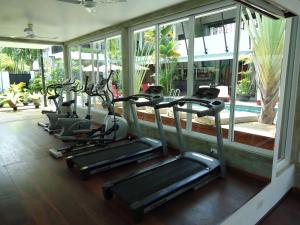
{"points": [[67, 21]]}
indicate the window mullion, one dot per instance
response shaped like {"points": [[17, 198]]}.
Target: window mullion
{"points": [[157, 64], [235, 64], [190, 76]]}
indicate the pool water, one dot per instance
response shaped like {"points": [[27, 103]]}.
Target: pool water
{"points": [[244, 108], [238, 108]]}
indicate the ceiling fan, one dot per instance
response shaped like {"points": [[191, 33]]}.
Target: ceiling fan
{"points": [[29, 33], [90, 5]]}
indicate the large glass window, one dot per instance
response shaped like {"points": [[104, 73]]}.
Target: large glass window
{"points": [[114, 63], [213, 56], [87, 71], [258, 79], [75, 64], [173, 58], [253, 83], [99, 66], [173, 55], [94, 61]]}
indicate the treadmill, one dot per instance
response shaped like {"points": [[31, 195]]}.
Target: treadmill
{"points": [[143, 148], [155, 185]]}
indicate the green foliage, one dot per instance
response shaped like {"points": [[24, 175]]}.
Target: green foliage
{"points": [[168, 55], [114, 50], [244, 87], [13, 95], [17, 88], [144, 56], [56, 74], [117, 80], [36, 84], [6, 63], [22, 58]]}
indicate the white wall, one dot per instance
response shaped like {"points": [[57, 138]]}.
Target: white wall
{"points": [[4, 80]]}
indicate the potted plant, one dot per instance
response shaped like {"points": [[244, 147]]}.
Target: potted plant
{"points": [[245, 87], [2, 100], [36, 99], [25, 98], [12, 99], [13, 95]]}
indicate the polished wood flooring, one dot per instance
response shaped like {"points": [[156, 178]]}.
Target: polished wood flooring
{"points": [[36, 189], [287, 212]]}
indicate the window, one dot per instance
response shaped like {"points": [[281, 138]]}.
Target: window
{"points": [[161, 56], [87, 71], [94, 61], [144, 59], [258, 79], [213, 56]]}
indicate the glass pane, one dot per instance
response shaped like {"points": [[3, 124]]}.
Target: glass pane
{"points": [[144, 66], [114, 63], [54, 65], [75, 65], [144, 60], [86, 69], [173, 58], [99, 66], [213, 57], [258, 79]]}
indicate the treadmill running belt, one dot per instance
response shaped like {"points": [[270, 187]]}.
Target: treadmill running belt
{"points": [[147, 183], [110, 154]]}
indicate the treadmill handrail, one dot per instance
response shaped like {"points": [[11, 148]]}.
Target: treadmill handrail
{"points": [[152, 99], [125, 99], [214, 106]]}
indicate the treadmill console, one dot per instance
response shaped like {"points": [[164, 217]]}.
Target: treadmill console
{"points": [[207, 92], [154, 90]]}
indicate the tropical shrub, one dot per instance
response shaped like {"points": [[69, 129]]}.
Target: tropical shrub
{"points": [[36, 84], [267, 37]]}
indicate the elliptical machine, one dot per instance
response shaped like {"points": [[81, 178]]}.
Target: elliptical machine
{"points": [[73, 125], [113, 129], [62, 109]]}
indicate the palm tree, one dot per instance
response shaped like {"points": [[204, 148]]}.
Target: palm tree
{"points": [[168, 55], [267, 37]]}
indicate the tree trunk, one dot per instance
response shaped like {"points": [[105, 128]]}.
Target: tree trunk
{"points": [[268, 113]]}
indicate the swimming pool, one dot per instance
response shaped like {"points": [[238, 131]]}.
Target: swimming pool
{"points": [[244, 108]]}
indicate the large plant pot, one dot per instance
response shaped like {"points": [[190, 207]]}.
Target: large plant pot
{"points": [[243, 98], [36, 102], [12, 105]]}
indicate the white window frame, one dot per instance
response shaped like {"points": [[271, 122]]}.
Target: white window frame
{"points": [[205, 10]]}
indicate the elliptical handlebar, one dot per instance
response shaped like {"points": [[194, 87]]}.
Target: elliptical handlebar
{"points": [[76, 89], [58, 85]]}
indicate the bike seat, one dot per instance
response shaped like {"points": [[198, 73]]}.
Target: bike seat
{"points": [[53, 97], [68, 103]]}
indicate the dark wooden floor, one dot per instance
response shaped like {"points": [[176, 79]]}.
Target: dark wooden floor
{"points": [[287, 212], [36, 189]]}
